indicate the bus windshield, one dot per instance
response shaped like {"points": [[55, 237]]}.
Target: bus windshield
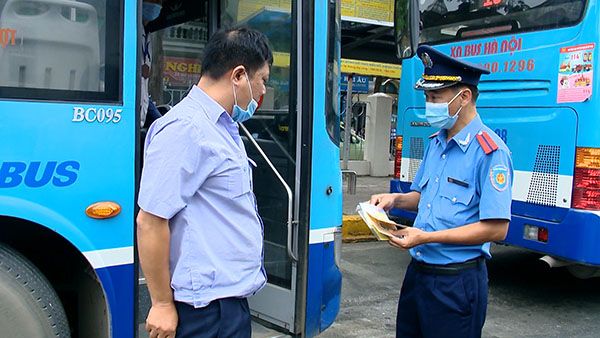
{"points": [[451, 20]]}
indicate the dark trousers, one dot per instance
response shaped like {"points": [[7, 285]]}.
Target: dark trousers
{"points": [[222, 318], [442, 305]]}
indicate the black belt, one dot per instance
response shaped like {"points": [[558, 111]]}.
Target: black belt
{"points": [[447, 269]]}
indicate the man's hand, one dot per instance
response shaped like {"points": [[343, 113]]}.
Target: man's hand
{"points": [[162, 321], [384, 201], [408, 201], [408, 238]]}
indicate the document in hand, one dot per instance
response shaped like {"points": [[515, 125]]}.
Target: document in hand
{"points": [[377, 220]]}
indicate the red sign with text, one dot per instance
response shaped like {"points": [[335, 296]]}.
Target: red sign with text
{"points": [[180, 71]]}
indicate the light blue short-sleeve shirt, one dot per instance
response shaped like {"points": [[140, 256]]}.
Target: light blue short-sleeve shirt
{"points": [[197, 175], [460, 185]]}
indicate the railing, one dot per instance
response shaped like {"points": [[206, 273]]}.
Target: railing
{"points": [[350, 177]]}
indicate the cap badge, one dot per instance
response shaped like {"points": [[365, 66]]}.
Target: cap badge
{"points": [[426, 60]]}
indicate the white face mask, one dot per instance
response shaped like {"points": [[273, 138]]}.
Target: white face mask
{"points": [[438, 114]]}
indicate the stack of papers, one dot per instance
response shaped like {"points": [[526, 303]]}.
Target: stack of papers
{"points": [[377, 221]]}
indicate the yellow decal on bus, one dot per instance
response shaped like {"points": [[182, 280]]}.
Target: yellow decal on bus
{"points": [[381, 11], [360, 67]]}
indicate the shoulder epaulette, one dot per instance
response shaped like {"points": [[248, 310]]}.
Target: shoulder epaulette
{"points": [[487, 144], [434, 134]]}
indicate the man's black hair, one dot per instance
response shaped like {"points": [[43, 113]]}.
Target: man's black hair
{"points": [[474, 91], [230, 48]]}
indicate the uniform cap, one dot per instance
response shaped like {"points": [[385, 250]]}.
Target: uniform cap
{"points": [[443, 71]]}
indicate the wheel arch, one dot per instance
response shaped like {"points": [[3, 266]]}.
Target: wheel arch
{"points": [[69, 272]]}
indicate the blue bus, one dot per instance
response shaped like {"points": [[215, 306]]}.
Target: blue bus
{"points": [[539, 99], [71, 156]]}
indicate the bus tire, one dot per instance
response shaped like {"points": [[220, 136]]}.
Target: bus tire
{"points": [[29, 306]]}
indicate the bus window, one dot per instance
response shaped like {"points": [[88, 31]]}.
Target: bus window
{"points": [[274, 128], [36, 37], [447, 20], [332, 106], [177, 59]]}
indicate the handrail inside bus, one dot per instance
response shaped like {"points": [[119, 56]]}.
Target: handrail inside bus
{"points": [[290, 221]]}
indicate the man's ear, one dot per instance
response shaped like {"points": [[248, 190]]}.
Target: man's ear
{"points": [[237, 74], [467, 95]]}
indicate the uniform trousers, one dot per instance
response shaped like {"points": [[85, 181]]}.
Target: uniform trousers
{"points": [[221, 318], [438, 302]]}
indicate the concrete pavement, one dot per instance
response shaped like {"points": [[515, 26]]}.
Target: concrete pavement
{"points": [[526, 299], [365, 187]]}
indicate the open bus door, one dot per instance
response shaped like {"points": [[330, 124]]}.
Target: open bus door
{"points": [[293, 140]]}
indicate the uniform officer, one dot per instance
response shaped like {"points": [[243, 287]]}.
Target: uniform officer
{"points": [[462, 192]]}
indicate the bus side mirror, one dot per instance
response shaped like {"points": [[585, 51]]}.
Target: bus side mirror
{"points": [[406, 27]]}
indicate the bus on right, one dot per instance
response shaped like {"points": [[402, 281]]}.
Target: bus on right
{"points": [[540, 98]]}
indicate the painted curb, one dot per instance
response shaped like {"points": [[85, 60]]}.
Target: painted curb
{"points": [[355, 230]]}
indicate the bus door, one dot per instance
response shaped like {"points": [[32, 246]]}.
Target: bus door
{"points": [[279, 142], [294, 128], [274, 130]]}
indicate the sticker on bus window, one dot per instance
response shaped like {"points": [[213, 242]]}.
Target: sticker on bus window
{"points": [[575, 73]]}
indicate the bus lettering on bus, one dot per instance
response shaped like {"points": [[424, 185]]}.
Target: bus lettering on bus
{"points": [[100, 115], [38, 174]]}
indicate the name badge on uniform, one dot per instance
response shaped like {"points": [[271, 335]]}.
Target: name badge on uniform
{"points": [[458, 182]]}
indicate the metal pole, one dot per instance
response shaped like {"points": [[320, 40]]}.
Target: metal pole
{"points": [[288, 190], [347, 123]]}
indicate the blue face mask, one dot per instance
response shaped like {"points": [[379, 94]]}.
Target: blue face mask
{"points": [[241, 115], [438, 115], [150, 11]]}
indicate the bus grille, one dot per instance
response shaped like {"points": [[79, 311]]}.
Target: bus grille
{"points": [[544, 182], [417, 149]]}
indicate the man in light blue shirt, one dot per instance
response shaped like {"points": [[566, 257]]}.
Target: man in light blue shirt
{"points": [[200, 238], [462, 192]]}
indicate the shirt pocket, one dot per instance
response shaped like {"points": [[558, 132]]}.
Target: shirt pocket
{"points": [[239, 179], [455, 199]]}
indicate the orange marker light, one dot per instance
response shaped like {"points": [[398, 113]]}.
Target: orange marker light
{"points": [[588, 158], [398, 158], [103, 210]]}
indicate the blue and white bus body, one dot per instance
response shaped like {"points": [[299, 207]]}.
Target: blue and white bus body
{"points": [[61, 156], [520, 102], [324, 283]]}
